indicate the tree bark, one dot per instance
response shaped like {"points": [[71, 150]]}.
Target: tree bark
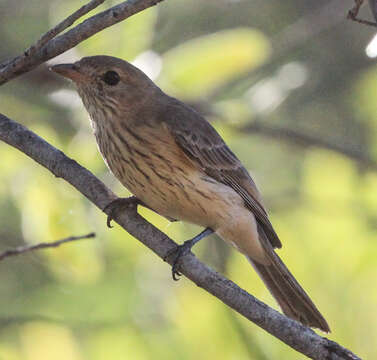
{"points": [[292, 333]]}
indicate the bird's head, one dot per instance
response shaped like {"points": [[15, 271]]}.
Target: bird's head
{"points": [[107, 81]]}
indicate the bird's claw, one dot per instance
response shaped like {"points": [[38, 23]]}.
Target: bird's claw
{"points": [[177, 253], [117, 205]]}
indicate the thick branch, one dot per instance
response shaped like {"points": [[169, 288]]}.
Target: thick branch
{"points": [[289, 331], [24, 249], [24, 63], [292, 333]]}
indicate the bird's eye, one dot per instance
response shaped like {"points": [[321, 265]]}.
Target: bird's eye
{"points": [[111, 78]]}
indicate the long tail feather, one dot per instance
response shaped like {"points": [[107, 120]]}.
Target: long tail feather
{"points": [[291, 297]]}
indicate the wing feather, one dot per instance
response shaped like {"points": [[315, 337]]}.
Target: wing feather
{"points": [[200, 141]]}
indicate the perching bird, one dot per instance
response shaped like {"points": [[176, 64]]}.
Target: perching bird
{"points": [[175, 163]]}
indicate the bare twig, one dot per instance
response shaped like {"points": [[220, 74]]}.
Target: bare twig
{"points": [[65, 24], [289, 331], [45, 38], [24, 249], [56, 46], [352, 14], [306, 140]]}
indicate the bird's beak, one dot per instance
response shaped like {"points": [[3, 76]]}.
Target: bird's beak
{"points": [[70, 71]]}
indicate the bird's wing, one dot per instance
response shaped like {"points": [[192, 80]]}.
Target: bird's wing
{"points": [[201, 143]]}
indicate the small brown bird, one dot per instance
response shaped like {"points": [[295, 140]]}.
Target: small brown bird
{"points": [[175, 163]]}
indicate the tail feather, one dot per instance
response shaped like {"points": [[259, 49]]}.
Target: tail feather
{"points": [[291, 297]]}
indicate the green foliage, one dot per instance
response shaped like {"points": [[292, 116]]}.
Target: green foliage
{"points": [[109, 297]]}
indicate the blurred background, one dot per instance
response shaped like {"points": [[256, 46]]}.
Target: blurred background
{"points": [[291, 86]]}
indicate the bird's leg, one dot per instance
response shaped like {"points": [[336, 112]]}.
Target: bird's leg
{"points": [[118, 205], [185, 248]]}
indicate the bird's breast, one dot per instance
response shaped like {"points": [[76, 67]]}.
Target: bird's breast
{"points": [[149, 163]]}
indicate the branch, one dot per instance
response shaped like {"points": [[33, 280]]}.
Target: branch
{"points": [[63, 25], [289, 331], [24, 249], [352, 14], [302, 139], [57, 45], [292, 333]]}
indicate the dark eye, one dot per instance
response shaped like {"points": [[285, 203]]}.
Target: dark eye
{"points": [[111, 78]]}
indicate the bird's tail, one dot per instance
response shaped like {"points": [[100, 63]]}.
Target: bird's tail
{"points": [[291, 297]]}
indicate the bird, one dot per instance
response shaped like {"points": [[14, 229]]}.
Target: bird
{"points": [[174, 162]]}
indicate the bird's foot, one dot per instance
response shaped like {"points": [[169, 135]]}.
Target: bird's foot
{"points": [[181, 250], [177, 253], [118, 205]]}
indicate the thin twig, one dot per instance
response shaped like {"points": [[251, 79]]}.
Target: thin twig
{"points": [[352, 14], [24, 249], [58, 45], [66, 23], [355, 10], [45, 38], [292, 333], [287, 330]]}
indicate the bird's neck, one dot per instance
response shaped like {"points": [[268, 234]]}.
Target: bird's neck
{"points": [[136, 108]]}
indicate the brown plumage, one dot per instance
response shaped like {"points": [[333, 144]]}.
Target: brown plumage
{"points": [[176, 163]]}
